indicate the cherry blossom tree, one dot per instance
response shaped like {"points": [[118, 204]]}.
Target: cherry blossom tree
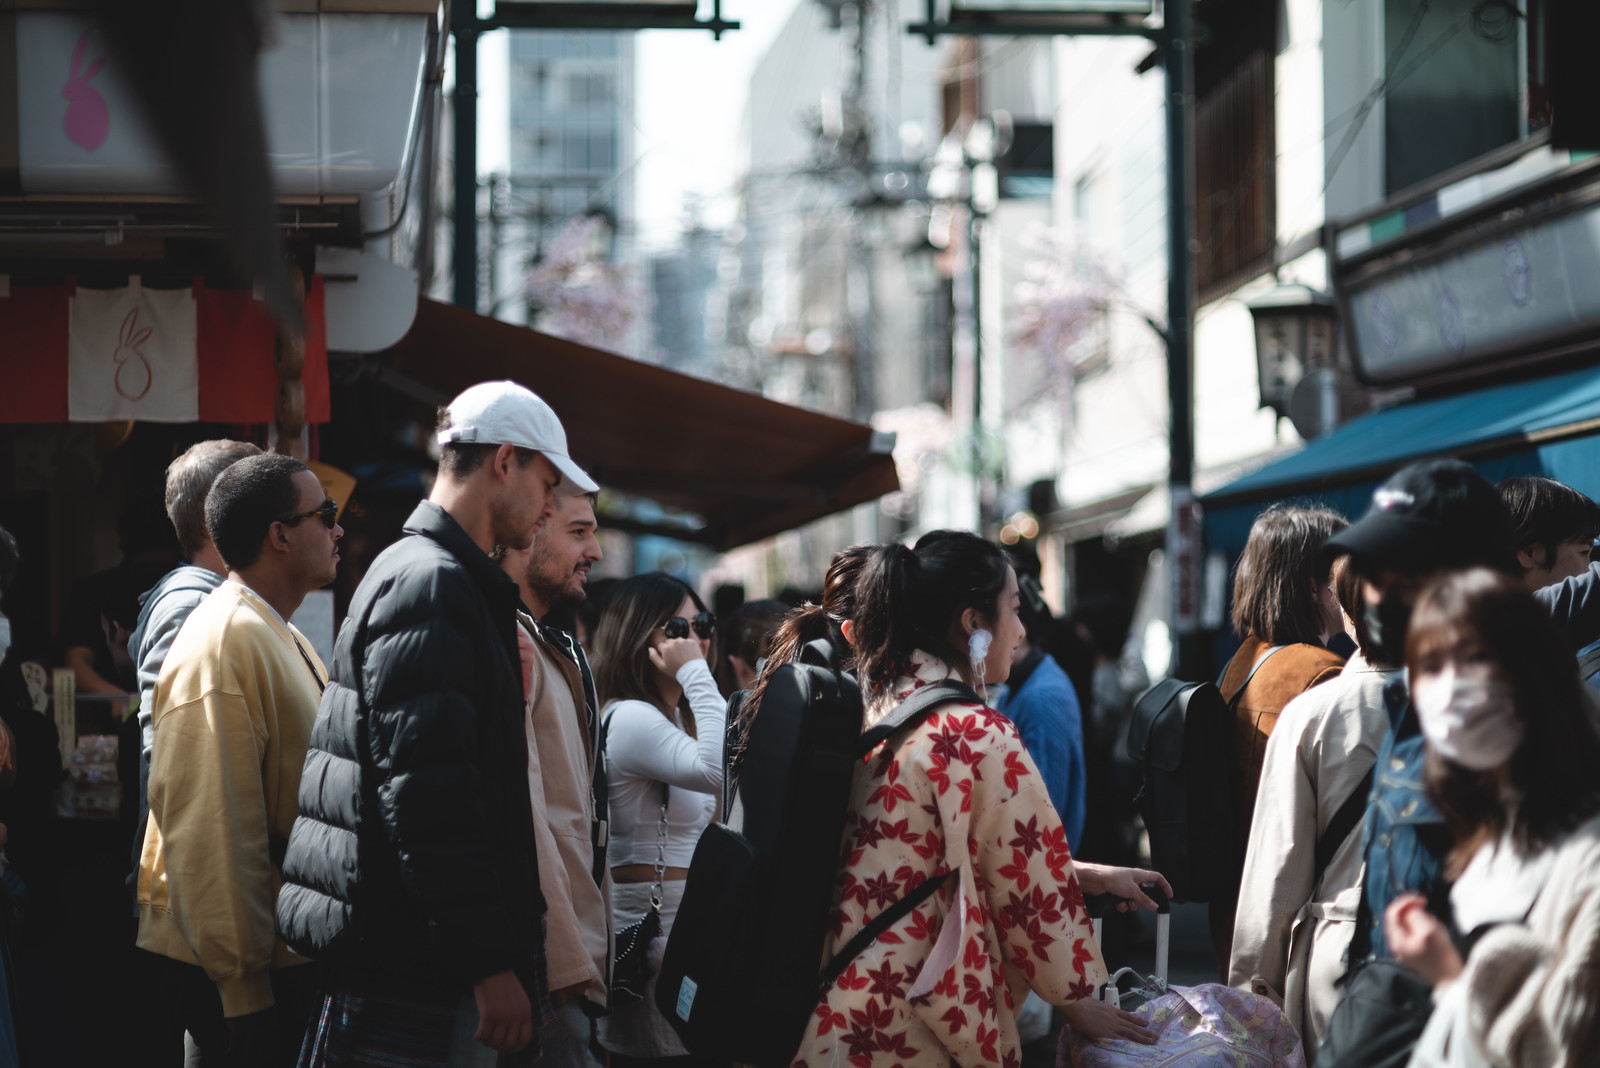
{"points": [[579, 294]]}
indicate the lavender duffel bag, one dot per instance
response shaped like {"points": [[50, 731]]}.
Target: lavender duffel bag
{"points": [[1199, 1026]]}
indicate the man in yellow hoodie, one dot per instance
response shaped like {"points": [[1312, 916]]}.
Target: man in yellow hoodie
{"points": [[234, 706]]}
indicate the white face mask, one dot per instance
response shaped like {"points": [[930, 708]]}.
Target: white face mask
{"points": [[1468, 716], [5, 636]]}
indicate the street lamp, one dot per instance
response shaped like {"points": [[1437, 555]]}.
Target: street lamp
{"points": [[1294, 337]]}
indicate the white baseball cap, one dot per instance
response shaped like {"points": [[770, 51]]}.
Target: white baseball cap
{"points": [[504, 413]]}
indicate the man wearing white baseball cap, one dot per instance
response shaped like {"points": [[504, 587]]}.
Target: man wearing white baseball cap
{"points": [[434, 937]]}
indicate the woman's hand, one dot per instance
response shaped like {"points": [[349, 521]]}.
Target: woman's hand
{"points": [[1122, 882], [1419, 941], [670, 656], [1097, 1019]]}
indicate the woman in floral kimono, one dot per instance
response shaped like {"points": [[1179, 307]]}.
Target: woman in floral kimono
{"points": [[954, 793]]}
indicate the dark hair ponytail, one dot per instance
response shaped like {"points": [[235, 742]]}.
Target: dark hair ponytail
{"points": [[911, 599]]}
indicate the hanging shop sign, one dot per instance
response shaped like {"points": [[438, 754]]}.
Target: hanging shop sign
{"points": [[1500, 296], [185, 355], [1489, 266], [341, 93]]}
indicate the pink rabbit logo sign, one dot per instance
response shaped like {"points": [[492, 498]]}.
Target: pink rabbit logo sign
{"points": [[133, 377], [88, 119]]}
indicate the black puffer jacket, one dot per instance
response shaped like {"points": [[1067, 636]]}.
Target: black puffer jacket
{"points": [[412, 862]]}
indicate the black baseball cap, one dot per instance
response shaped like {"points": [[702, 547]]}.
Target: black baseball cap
{"points": [[1437, 515]]}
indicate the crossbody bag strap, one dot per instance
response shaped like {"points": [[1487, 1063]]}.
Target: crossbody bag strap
{"points": [[879, 924], [1262, 659], [1344, 821]]}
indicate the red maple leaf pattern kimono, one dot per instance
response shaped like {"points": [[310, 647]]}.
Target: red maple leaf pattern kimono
{"points": [[959, 793]]}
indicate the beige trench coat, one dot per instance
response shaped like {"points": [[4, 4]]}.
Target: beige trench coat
{"points": [[1291, 932]]}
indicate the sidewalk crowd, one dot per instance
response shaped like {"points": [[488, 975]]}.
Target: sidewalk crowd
{"points": [[460, 844]]}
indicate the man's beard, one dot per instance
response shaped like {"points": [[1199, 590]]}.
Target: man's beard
{"points": [[557, 591]]}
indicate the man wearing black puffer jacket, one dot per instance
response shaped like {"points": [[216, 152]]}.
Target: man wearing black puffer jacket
{"points": [[411, 871]]}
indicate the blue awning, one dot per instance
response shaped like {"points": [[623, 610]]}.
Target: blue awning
{"points": [[1494, 420]]}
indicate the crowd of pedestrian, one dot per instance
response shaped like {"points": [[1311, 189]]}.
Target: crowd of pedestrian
{"points": [[467, 840]]}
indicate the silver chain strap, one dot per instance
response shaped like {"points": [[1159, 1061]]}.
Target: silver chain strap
{"points": [[661, 851]]}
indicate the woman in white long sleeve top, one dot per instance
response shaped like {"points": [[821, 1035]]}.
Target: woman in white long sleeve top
{"points": [[663, 726]]}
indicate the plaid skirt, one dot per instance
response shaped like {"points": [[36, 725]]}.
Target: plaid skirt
{"points": [[354, 1026]]}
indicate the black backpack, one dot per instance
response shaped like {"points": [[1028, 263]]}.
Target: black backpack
{"points": [[1180, 736], [744, 962]]}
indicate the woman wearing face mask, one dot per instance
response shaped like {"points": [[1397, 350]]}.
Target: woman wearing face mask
{"points": [[663, 728], [1511, 763], [955, 794], [1283, 613]]}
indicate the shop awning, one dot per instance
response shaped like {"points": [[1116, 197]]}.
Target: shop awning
{"points": [[744, 465], [1491, 420]]}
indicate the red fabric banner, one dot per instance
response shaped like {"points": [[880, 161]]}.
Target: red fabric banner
{"points": [[235, 343], [33, 354], [236, 338]]}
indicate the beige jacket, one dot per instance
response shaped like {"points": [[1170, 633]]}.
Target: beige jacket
{"points": [[234, 707], [1290, 936], [560, 777], [1530, 994]]}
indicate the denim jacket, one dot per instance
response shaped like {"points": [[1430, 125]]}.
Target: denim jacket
{"points": [[1406, 836]]}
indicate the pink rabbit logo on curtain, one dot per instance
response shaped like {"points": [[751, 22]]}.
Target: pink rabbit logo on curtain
{"points": [[133, 370], [88, 119]]}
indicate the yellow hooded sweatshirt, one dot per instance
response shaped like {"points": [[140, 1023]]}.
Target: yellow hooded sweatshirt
{"points": [[234, 707]]}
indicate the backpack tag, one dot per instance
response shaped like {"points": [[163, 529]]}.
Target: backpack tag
{"points": [[686, 993]]}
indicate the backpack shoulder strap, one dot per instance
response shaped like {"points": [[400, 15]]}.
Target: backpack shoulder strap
{"points": [[1262, 659], [1589, 662], [913, 708], [1344, 821], [879, 924]]}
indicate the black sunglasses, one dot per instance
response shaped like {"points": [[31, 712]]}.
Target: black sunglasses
{"points": [[328, 511], [704, 624]]}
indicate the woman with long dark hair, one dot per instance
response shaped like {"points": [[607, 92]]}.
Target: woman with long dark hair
{"points": [[1511, 764], [956, 794], [663, 720]]}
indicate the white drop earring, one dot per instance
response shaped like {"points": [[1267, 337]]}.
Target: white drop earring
{"points": [[978, 643]]}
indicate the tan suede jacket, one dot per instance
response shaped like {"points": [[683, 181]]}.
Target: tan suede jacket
{"points": [[1291, 671], [560, 775]]}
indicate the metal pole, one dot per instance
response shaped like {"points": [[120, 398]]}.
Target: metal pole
{"points": [[1183, 542], [858, 280], [974, 236], [464, 260]]}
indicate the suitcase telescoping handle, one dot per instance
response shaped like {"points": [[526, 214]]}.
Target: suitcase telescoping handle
{"points": [[1100, 906]]}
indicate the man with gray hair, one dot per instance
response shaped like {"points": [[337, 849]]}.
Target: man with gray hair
{"points": [[166, 605]]}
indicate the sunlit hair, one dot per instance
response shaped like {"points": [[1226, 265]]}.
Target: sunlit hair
{"points": [[807, 624], [1280, 573], [621, 642], [912, 599], [1553, 783]]}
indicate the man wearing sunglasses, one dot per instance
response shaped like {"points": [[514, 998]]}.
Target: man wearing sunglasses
{"points": [[413, 870], [234, 708]]}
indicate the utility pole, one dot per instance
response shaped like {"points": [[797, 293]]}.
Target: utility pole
{"points": [[467, 27], [857, 138], [1174, 38], [464, 258], [1183, 533]]}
